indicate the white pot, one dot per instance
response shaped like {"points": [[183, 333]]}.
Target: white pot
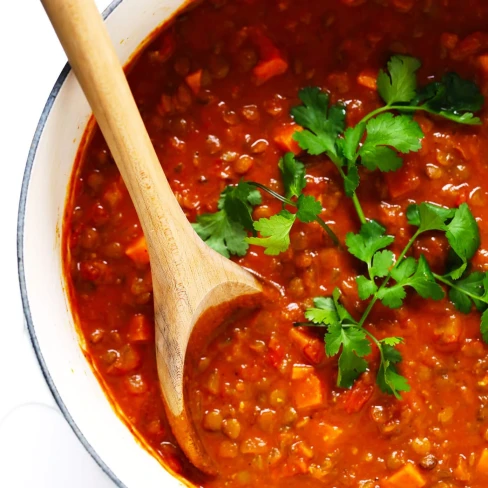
{"points": [[46, 306]]}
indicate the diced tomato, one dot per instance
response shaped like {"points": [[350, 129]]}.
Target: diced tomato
{"points": [[357, 396], [276, 352], [284, 138], [272, 63], [137, 251]]}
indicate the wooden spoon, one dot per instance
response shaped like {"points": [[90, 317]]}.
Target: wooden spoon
{"points": [[188, 277]]}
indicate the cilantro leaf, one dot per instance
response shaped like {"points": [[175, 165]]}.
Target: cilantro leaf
{"points": [[343, 335], [415, 274], [460, 226], [221, 233], [484, 326], [464, 238], [388, 378], [225, 231], [237, 201], [324, 313], [453, 98], [355, 346], [275, 233], [380, 157], [472, 288], [351, 180], [400, 83], [366, 287], [400, 132], [371, 238], [323, 123], [308, 208], [352, 137], [428, 216], [392, 341], [387, 131], [382, 262], [293, 175]]}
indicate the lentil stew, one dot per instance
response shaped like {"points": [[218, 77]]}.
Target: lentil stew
{"points": [[264, 393]]}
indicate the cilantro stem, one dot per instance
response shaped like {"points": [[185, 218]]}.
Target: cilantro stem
{"points": [[355, 200], [286, 201], [279, 197], [449, 283], [387, 279], [407, 108]]}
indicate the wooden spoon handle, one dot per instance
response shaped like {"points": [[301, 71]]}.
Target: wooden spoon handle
{"points": [[90, 52]]}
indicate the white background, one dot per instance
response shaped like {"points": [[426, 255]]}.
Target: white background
{"points": [[37, 447]]}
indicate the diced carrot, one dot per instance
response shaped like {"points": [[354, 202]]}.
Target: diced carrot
{"points": [[461, 471], [482, 466], [406, 477], [357, 396], [312, 347], [284, 138], [137, 251], [194, 81], [140, 329], [367, 78], [265, 70], [301, 371], [402, 182], [330, 432], [308, 392]]}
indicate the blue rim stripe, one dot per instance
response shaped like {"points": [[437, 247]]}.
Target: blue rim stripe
{"points": [[20, 259]]}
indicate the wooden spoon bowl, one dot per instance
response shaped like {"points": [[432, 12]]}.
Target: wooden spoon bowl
{"points": [[189, 278]]}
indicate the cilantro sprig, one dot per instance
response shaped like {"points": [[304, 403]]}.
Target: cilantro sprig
{"points": [[377, 142], [226, 231], [379, 139], [345, 336]]}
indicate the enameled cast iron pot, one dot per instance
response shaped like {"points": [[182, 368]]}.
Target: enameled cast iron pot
{"points": [[46, 306]]}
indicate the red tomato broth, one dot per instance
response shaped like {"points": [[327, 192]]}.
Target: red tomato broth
{"points": [[263, 394]]}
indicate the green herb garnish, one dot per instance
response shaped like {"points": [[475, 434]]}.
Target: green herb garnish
{"points": [[377, 142]]}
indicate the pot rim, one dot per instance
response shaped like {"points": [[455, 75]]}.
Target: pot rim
{"points": [[21, 271]]}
